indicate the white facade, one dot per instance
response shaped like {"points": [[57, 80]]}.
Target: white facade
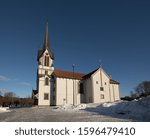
{"points": [[43, 75], [99, 89], [67, 91], [57, 87]]}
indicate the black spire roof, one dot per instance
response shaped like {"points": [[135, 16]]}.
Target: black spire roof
{"points": [[46, 45]]}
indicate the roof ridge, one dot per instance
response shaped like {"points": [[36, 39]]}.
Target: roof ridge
{"points": [[68, 74], [69, 71], [89, 74]]}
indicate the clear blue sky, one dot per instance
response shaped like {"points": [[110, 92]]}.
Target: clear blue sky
{"points": [[81, 32]]}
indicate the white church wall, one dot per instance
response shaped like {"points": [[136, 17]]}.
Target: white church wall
{"points": [[69, 93], [112, 92], [92, 92], [101, 79], [88, 90], [116, 91], [61, 91], [43, 89], [49, 69], [64, 91]]}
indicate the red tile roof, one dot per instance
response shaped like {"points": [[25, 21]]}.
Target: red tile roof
{"points": [[75, 75], [67, 74]]}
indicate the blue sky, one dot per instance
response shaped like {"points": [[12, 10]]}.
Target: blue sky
{"points": [[81, 32]]}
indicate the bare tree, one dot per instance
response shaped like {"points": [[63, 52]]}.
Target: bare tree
{"points": [[143, 89], [9, 98], [9, 94], [133, 95]]}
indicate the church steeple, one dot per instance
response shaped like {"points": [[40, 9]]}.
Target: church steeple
{"points": [[46, 39], [46, 45]]}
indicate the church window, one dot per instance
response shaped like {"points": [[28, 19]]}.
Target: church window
{"points": [[46, 96], [96, 82], [46, 61], [46, 72], [46, 81], [105, 83], [101, 88], [102, 96]]}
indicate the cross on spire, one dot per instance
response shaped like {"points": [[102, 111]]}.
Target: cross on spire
{"points": [[100, 63]]}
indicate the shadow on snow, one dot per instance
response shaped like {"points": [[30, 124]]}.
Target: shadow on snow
{"points": [[131, 111]]}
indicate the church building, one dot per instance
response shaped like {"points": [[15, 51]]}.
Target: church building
{"points": [[58, 87]]}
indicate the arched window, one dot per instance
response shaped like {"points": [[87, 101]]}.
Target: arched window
{"points": [[46, 81], [46, 63]]}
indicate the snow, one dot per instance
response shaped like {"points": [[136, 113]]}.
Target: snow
{"points": [[4, 109], [137, 110], [71, 107]]}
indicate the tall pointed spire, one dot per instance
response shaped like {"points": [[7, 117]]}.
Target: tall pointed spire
{"points": [[46, 40], [46, 45]]}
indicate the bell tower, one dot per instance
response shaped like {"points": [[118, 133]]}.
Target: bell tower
{"points": [[45, 60]]}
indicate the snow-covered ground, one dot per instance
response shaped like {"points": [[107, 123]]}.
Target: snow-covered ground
{"points": [[120, 111], [136, 110], [4, 109]]}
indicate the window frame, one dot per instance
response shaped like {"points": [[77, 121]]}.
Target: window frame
{"points": [[46, 62], [46, 96], [46, 72], [101, 88], [46, 81]]}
